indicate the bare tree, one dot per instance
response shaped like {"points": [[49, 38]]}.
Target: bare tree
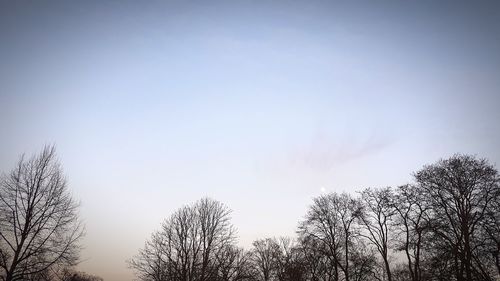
{"points": [[363, 263], [263, 255], [330, 221], [234, 265], [461, 190], [152, 262], [323, 224], [491, 231], [348, 210], [39, 225], [317, 265], [376, 217], [412, 221], [70, 274], [289, 264], [190, 246]]}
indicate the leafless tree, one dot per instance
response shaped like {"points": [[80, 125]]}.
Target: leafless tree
{"points": [[70, 274], [152, 262], [349, 210], [491, 231], [289, 264], [317, 265], [461, 190], [234, 265], [277, 259], [190, 246], [263, 255], [323, 225], [39, 225], [364, 265], [376, 217], [412, 221], [330, 220]]}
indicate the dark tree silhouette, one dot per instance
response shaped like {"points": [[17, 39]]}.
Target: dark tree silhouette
{"points": [[461, 190], [289, 265], [323, 225], [330, 221], [61, 273], [412, 221], [192, 245], [263, 256], [445, 226], [317, 264], [235, 264], [491, 231], [377, 214], [70, 274], [39, 225]]}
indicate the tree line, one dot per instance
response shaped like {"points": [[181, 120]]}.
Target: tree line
{"points": [[444, 225]]}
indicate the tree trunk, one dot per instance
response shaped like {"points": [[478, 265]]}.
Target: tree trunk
{"points": [[468, 255], [9, 276], [497, 258], [417, 270], [408, 256], [388, 269], [346, 272]]}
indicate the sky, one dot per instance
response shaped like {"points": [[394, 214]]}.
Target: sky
{"points": [[262, 105]]}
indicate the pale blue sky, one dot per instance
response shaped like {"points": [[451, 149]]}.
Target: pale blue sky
{"points": [[258, 104]]}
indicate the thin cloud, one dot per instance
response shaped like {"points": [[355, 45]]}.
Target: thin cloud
{"points": [[324, 153]]}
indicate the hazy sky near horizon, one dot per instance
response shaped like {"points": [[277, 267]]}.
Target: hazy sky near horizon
{"points": [[258, 104]]}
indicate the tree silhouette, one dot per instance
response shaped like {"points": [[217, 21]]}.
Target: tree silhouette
{"points": [[39, 225], [376, 216], [462, 191], [331, 222], [443, 226], [195, 243]]}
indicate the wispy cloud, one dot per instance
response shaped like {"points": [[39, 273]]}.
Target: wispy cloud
{"points": [[324, 152]]}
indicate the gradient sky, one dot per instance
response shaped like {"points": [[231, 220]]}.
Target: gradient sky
{"points": [[259, 104]]}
